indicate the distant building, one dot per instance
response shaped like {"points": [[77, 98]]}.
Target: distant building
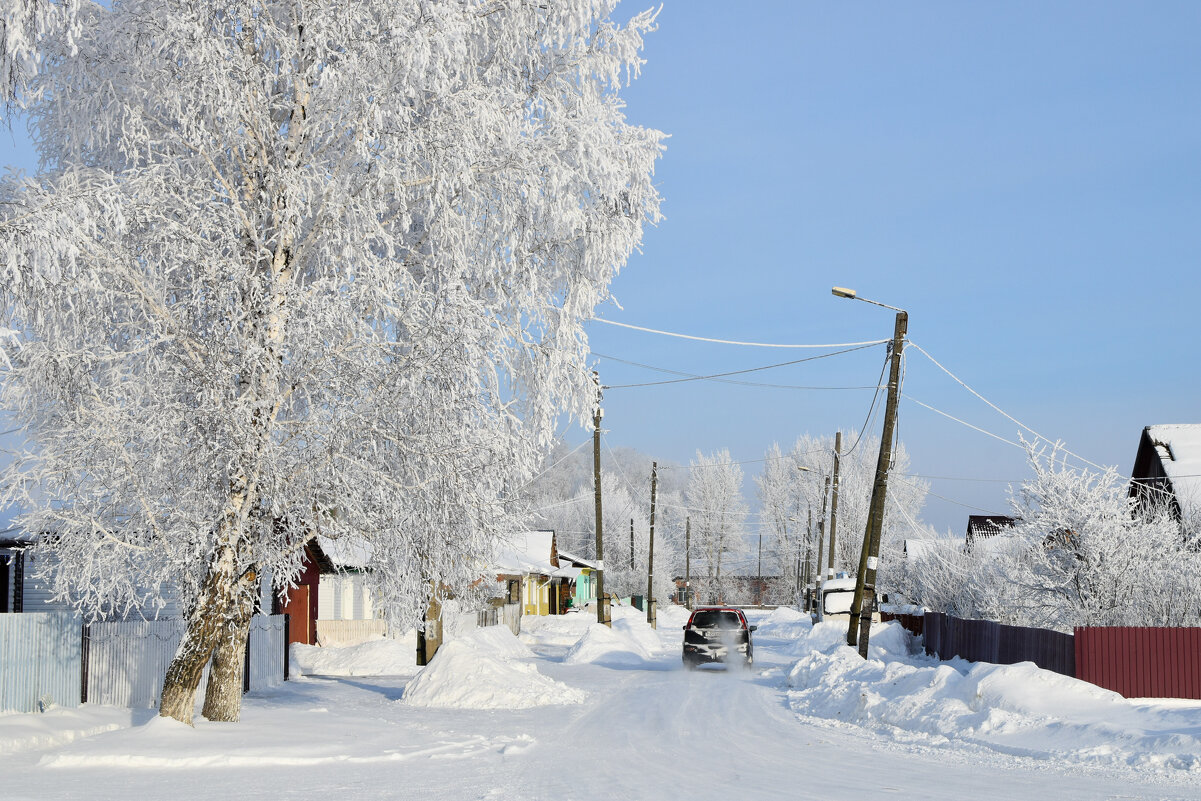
{"points": [[982, 527], [1167, 469]]}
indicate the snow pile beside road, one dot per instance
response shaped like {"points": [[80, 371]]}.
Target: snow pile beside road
{"points": [[500, 640], [556, 630], [377, 657], [784, 623], [482, 671], [1016, 709], [671, 616], [602, 644], [57, 727], [635, 628]]}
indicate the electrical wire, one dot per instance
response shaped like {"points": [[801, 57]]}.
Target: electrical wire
{"points": [[964, 422], [781, 457], [870, 411], [556, 464], [945, 498], [734, 342], [998, 409], [718, 376]]}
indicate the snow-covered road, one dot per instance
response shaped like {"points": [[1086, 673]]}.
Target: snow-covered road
{"points": [[647, 730]]}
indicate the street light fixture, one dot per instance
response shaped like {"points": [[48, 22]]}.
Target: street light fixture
{"points": [[859, 630]]}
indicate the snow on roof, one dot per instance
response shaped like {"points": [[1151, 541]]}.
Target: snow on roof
{"points": [[576, 560], [919, 549], [1179, 449], [526, 552], [346, 552]]}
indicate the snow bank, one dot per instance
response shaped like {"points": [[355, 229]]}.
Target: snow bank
{"points": [[1017, 709], [482, 671], [602, 644], [556, 630], [376, 657], [671, 616], [59, 726], [784, 623]]}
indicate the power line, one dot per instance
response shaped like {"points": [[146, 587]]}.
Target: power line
{"points": [[718, 376], [870, 410], [998, 409], [945, 498], [960, 478], [781, 457], [734, 342], [962, 422]]}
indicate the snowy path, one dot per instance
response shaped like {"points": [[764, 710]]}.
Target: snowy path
{"points": [[649, 730]]}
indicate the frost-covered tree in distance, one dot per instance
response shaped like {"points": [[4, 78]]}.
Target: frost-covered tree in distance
{"points": [[1083, 552], [788, 493], [714, 501], [306, 267]]}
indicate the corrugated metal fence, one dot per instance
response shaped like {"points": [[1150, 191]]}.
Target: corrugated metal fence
{"points": [[1141, 662], [1135, 661], [267, 652], [39, 661], [126, 660], [988, 641], [52, 658]]}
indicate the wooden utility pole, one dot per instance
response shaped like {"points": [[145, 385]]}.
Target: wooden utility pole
{"points": [[821, 527], [865, 585], [631, 545], [601, 616], [821, 543], [688, 562], [650, 554], [834, 504]]}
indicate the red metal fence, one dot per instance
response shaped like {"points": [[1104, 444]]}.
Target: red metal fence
{"points": [[987, 641], [1136, 662], [1141, 662]]}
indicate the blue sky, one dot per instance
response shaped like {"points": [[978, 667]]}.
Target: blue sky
{"points": [[1023, 178]]}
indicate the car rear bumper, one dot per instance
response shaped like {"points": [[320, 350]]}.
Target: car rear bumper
{"points": [[698, 653]]}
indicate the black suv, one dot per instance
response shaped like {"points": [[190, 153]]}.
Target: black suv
{"points": [[713, 632]]}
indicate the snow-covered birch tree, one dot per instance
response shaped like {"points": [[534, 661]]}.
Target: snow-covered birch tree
{"points": [[715, 503], [27, 27], [788, 494], [300, 267]]}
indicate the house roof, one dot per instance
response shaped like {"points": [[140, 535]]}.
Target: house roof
{"points": [[527, 552], [576, 561], [345, 553], [16, 538], [980, 526], [1170, 456]]}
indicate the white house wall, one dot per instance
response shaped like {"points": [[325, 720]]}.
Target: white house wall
{"points": [[344, 597]]}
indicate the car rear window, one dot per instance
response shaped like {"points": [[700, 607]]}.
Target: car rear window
{"points": [[716, 620]]}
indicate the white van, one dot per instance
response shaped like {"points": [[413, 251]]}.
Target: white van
{"points": [[837, 596]]}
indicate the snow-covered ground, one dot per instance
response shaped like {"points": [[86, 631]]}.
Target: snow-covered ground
{"points": [[577, 711]]}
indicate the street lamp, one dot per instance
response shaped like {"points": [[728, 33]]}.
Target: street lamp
{"points": [[859, 630]]}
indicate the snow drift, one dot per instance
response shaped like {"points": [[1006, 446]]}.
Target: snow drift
{"points": [[485, 670], [602, 644], [376, 657], [1016, 709]]}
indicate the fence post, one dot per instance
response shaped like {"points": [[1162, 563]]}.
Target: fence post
{"points": [[246, 662], [287, 643], [84, 647]]}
